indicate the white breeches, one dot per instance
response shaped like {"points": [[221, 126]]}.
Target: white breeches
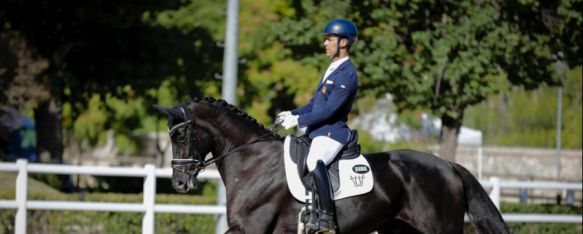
{"points": [[323, 148]]}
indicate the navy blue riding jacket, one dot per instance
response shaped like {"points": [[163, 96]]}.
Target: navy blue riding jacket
{"points": [[327, 112]]}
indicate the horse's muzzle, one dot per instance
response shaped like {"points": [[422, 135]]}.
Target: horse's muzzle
{"points": [[184, 172], [183, 181]]}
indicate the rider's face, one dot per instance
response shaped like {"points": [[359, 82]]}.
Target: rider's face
{"points": [[330, 43]]}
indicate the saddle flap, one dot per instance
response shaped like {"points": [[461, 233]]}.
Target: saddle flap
{"points": [[348, 177], [300, 147]]}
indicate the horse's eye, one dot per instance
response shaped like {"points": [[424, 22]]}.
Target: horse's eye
{"points": [[181, 139]]}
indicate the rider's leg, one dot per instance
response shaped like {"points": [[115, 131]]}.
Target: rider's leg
{"points": [[326, 207], [323, 148], [322, 152]]}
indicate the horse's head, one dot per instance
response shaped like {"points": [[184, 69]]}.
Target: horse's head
{"points": [[208, 125], [190, 145]]}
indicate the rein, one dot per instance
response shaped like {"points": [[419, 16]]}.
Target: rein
{"points": [[236, 149]]}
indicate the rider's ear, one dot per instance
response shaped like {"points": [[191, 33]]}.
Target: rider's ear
{"points": [[343, 42]]}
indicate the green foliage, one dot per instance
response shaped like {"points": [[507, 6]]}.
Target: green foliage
{"points": [[41, 221], [368, 144], [528, 118], [549, 228], [184, 223], [35, 188], [546, 228], [205, 14], [272, 78], [51, 180], [411, 145], [540, 209], [110, 65], [443, 56], [109, 222]]}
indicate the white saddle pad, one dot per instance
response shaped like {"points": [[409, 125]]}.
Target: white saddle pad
{"points": [[355, 177]]}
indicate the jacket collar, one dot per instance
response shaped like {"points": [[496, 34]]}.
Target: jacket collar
{"points": [[338, 63], [343, 65]]}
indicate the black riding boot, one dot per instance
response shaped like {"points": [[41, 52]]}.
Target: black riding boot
{"points": [[326, 209]]}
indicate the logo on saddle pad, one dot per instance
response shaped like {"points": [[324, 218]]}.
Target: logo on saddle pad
{"points": [[351, 177], [360, 169]]}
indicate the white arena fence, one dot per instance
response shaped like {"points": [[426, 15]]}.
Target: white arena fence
{"points": [[149, 206]]}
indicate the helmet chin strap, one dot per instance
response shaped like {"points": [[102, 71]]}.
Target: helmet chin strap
{"points": [[337, 54]]}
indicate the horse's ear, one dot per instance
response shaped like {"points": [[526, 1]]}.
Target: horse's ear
{"points": [[162, 110], [170, 112]]}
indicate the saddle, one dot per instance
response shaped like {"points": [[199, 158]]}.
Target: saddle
{"points": [[300, 147]]}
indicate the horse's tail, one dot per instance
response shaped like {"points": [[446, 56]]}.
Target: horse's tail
{"points": [[481, 210]]}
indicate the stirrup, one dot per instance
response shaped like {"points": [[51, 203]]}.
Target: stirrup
{"points": [[320, 230], [321, 222]]}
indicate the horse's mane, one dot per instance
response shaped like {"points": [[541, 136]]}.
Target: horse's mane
{"points": [[235, 110]]}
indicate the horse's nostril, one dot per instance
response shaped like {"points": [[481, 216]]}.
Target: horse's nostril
{"points": [[180, 187]]}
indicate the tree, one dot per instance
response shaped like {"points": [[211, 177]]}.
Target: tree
{"points": [[444, 55], [117, 51], [267, 79]]}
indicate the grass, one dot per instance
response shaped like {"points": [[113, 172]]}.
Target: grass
{"points": [[35, 188], [40, 191]]}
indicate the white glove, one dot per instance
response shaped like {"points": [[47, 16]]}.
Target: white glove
{"points": [[281, 116], [290, 121]]}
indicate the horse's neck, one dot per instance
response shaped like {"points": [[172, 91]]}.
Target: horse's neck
{"points": [[240, 159], [229, 137]]}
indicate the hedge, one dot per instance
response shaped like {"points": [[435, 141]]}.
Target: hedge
{"points": [[542, 228], [42, 221]]}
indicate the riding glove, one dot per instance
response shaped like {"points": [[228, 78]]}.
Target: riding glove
{"points": [[281, 116], [290, 121]]}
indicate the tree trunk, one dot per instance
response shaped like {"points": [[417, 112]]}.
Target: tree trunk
{"points": [[450, 129], [49, 131]]}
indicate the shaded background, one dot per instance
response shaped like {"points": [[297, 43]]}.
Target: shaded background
{"points": [[80, 77]]}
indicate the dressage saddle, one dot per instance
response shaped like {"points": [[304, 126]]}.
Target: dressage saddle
{"points": [[300, 147]]}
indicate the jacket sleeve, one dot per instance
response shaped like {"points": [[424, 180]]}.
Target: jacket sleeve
{"points": [[304, 109], [341, 94]]}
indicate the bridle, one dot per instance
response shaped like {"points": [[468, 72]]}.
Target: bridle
{"points": [[187, 168]]}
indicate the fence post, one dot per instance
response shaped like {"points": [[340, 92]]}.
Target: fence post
{"points": [[149, 199], [480, 162], [523, 195], [570, 197], [495, 193], [21, 190]]}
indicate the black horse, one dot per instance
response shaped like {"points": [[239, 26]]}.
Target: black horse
{"points": [[414, 192]]}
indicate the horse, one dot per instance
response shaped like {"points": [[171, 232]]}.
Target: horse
{"points": [[414, 192]]}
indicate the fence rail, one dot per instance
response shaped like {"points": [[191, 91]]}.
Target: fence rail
{"points": [[149, 207]]}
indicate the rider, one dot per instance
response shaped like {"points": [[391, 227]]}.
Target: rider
{"points": [[326, 114]]}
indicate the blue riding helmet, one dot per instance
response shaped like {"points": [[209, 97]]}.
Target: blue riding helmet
{"points": [[342, 28]]}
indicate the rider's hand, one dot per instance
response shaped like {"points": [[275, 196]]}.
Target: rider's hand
{"points": [[281, 116], [290, 121]]}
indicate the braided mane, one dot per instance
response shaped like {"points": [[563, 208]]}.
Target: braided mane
{"points": [[235, 110]]}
